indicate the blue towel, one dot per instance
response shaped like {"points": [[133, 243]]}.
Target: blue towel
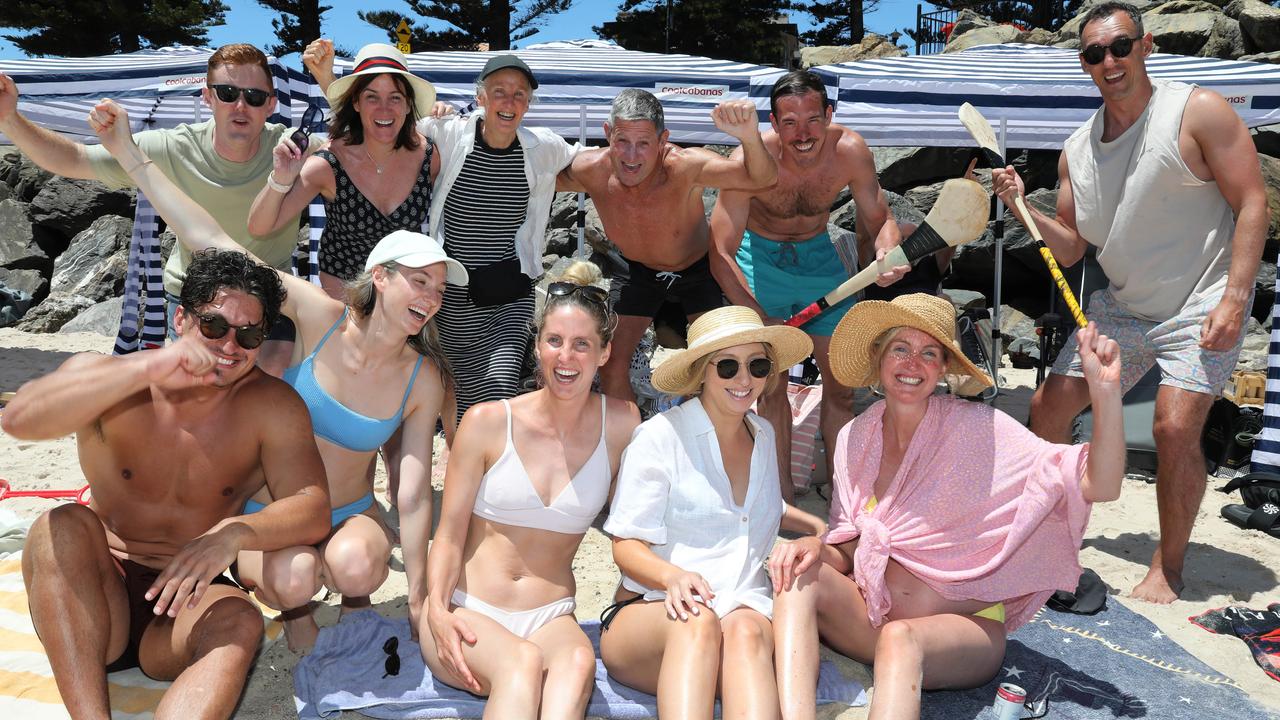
{"points": [[345, 672]]}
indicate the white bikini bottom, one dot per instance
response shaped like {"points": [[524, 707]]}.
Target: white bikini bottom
{"points": [[519, 622]]}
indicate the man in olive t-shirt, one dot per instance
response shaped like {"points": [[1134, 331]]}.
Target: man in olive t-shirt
{"points": [[221, 163]]}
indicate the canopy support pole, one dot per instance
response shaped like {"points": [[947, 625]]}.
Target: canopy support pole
{"points": [[996, 342], [582, 202]]}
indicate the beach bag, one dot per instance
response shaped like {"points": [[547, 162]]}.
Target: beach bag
{"points": [[498, 284]]}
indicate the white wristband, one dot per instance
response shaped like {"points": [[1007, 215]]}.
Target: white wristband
{"points": [[278, 187]]}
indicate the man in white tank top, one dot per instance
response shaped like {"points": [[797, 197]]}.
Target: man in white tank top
{"points": [[1165, 183]]}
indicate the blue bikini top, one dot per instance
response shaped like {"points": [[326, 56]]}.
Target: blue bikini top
{"points": [[334, 421]]}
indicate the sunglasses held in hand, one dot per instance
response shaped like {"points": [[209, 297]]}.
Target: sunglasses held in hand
{"points": [[302, 136], [230, 93]]}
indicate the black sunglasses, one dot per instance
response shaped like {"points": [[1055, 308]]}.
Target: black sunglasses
{"points": [[215, 327], [727, 368], [391, 648], [1120, 48], [590, 292], [230, 93], [302, 136]]}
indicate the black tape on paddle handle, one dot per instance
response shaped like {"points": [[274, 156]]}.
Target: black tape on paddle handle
{"points": [[993, 158], [924, 241]]}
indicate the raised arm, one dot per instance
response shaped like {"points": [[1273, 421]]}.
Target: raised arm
{"points": [[296, 177], [318, 59], [755, 168], [46, 148], [1060, 233], [728, 223], [1100, 358], [1229, 152]]}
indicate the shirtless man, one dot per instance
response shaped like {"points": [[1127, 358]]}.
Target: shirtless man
{"points": [[649, 196], [770, 247], [172, 442], [1181, 253]]}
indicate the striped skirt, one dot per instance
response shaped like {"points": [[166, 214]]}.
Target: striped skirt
{"points": [[485, 345]]}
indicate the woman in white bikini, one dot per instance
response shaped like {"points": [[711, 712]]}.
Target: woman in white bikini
{"points": [[526, 478]]}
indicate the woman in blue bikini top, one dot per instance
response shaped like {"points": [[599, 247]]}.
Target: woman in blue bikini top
{"points": [[364, 368]]}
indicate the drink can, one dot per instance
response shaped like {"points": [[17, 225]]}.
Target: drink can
{"points": [[1009, 700]]}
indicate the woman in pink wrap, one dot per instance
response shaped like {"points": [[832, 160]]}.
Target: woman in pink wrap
{"points": [[951, 523]]}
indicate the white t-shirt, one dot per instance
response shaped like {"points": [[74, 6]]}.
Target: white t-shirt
{"points": [[674, 494]]}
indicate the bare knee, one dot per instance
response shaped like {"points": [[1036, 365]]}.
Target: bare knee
{"points": [[746, 638], [525, 664], [899, 643], [229, 621], [355, 565], [69, 528], [580, 665], [291, 578], [703, 630], [1177, 434]]}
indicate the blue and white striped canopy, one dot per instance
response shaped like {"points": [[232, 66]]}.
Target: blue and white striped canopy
{"points": [[1040, 93], [159, 88], [576, 86]]}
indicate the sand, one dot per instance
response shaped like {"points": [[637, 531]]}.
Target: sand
{"points": [[1225, 565]]}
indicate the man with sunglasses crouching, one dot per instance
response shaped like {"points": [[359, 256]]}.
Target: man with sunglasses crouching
{"points": [[222, 163], [172, 442], [1165, 183]]}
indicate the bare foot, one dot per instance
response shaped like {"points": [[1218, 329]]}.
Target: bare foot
{"points": [[1159, 586], [300, 630]]}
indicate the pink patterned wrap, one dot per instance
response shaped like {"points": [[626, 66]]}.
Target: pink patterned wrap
{"points": [[980, 509]]}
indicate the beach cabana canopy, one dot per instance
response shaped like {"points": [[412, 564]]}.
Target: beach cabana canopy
{"points": [[1039, 93], [160, 88], [578, 81]]}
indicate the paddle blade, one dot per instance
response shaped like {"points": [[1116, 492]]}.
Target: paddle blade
{"points": [[982, 133], [960, 213]]}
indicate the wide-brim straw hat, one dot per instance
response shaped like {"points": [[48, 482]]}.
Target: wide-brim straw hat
{"points": [[724, 328], [853, 356], [378, 58]]}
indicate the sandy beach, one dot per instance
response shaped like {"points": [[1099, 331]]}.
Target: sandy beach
{"points": [[1225, 565]]}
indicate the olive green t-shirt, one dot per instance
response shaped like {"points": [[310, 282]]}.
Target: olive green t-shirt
{"points": [[226, 189]]}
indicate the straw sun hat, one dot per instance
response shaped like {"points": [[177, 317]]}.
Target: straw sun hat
{"points": [[724, 328], [852, 354], [378, 58]]}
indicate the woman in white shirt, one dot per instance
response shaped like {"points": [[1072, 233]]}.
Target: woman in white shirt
{"points": [[695, 513]]}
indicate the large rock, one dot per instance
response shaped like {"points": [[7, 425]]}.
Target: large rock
{"points": [[25, 177], [17, 247], [32, 282], [967, 20], [992, 35], [56, 311], [1259, 22], [564, 210], [1254, 352], [1271, 178], [902, 168], [1183, 33], [67, 206], [95, 263], [13, 305], [872, 46], [1271, 58], [1266, 139], [103, 319], [1070, 30], [1039, 36]]}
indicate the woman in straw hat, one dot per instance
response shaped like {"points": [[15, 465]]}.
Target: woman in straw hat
{"points": [[375, 175], [951, 523], [696, 510], [526, 478], [364, 368]]}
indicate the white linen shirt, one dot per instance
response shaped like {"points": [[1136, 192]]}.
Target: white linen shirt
{"points": [[674, 494], [545, 155]]}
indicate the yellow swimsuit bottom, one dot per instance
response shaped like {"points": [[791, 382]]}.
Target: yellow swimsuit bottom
{"points": [[991, 612]]}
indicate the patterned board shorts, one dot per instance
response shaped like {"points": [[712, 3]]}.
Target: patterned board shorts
{"points": [[1174, 345]]}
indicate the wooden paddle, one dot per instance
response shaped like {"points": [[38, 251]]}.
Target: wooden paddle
{"points": [[981, 131], [957, 217]]}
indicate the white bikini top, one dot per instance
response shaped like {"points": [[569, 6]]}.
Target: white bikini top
{"points": [[507, 496]]}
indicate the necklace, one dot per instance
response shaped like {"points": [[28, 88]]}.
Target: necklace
{"points": [[375, 162]]}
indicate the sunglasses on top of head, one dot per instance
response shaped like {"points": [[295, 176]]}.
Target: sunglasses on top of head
{"points": [[1120, 48], [230, 93], [758, 368], [302, 136], [592, 293], [215, 327]]}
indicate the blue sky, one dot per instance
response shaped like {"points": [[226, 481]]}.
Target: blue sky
{"points": [[247, 21]]}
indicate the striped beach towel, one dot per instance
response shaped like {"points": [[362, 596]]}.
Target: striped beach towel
{"points": [[27, 687]]}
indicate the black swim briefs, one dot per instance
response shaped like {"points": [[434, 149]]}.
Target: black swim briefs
{"points": [[645, 289]]}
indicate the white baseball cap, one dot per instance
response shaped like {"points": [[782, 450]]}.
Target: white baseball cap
{"points": [[415, 250]]}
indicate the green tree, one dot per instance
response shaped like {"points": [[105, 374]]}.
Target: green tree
{"points": [[468, 23], [298, 24], [836, 22], [742, 30], [80, 28]]}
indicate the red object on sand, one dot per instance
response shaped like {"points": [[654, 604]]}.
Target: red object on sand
{"points": [[81, 496]]}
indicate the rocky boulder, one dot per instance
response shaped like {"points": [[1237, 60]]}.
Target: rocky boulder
{"points": [[24, 177], [991, 35], [1070, 30], [67, 206], [1271, 177], [872, 46], [57, 310], [103, 319], [1259, 23], [95, 263], [18, 249], [1193, 27]]}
